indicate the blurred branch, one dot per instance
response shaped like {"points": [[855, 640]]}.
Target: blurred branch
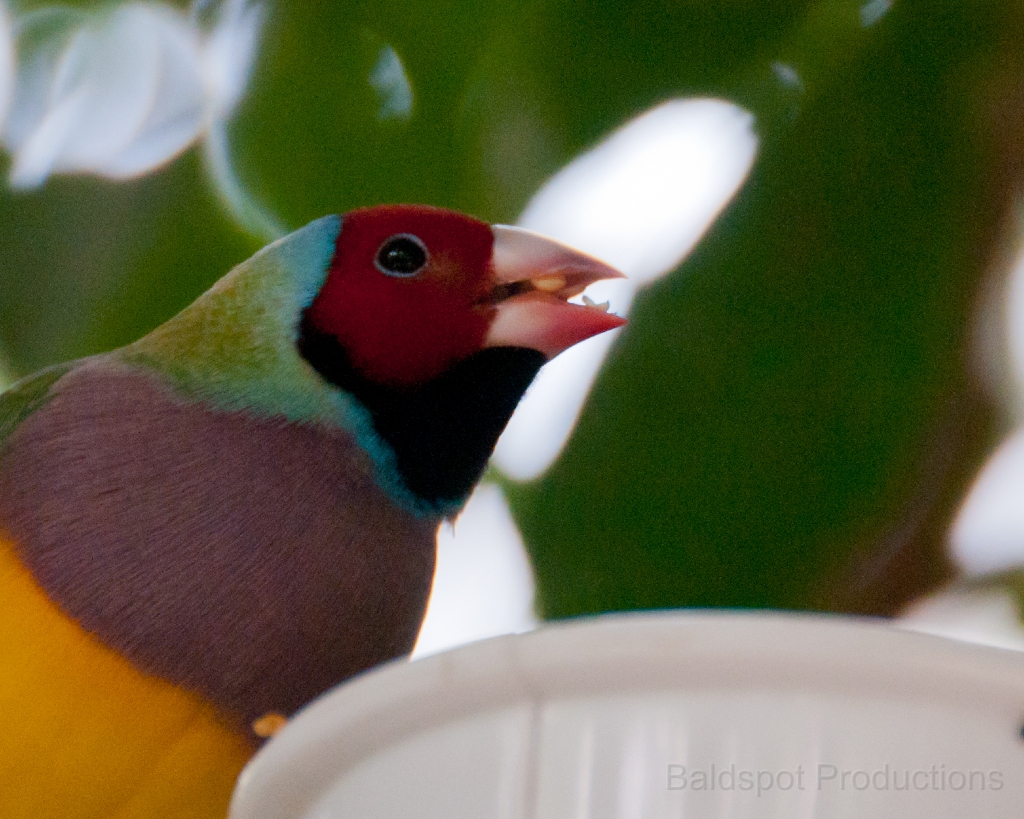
{"points": [[245, 210], [909, 557]]}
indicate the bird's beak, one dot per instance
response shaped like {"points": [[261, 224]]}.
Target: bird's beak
{"points": [[533, 278]]}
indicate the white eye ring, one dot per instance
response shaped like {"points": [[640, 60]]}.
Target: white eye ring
{"points": [[400, 264]]}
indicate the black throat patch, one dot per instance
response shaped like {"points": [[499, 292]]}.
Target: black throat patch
{"points": [[443, 431]]}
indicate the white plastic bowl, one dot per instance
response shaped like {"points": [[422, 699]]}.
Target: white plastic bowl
{"points": [[662, 715]]}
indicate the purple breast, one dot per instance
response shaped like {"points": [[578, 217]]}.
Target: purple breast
{"points": [[252, 560]]}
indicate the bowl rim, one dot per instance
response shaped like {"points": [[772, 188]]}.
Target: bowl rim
{"points": [[614, 654]]}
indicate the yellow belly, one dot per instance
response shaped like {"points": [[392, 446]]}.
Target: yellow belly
{"points": [[83, 733]]}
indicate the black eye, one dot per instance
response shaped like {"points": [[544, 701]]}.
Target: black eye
{"points": [[401, 255]]}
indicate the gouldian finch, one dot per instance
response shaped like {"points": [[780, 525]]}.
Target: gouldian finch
{"points": [[204, 530]]}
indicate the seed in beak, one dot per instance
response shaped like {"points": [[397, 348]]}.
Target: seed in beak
{"points": [[589, 302], [549, 284]]}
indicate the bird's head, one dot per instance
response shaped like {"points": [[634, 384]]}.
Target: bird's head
{"points": [[413, 290], [437, 323]]}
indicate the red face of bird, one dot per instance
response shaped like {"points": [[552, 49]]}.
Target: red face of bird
{"points": [[414, 289]]}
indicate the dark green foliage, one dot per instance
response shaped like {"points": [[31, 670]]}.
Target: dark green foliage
{"points": [[763, 437]]}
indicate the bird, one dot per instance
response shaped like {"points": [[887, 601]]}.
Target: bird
{"points": [[204, 530]]}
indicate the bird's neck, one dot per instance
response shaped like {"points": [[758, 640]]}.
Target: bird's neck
{"points": [[234, 347], [436, 436]]}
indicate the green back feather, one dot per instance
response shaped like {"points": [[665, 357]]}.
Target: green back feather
{"points": [[26, 397], [234, 347]]}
